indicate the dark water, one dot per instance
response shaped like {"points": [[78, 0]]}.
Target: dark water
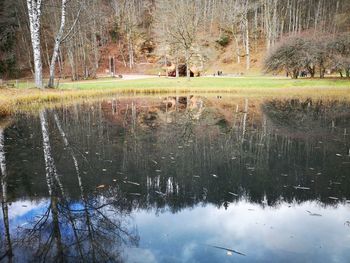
{"points": [[145, 180]]}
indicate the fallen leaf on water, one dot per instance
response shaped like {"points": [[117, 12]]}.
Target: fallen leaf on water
{"points": [[313, 214], [101, 186], [136, 194], [333, 198], [301, 188], [134, 183], [229, 251]]}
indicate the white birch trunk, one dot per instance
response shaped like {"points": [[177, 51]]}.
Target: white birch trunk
{"points": [[50, 166], [247, 44], [34, 13], [58, 41], [4, 201]]}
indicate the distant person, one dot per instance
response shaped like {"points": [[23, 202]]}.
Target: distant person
{"points": [[158, 74]]}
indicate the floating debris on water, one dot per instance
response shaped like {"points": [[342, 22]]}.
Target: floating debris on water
{"points": [[196, 176], [301, 188], [335, 183], [284, 175], [158, 171], [100, 186], [134, 183], [135, 194], [233, 194], [160, 193], [104, 170], [333, 198], [228, 250], [214, 175], [339, 155], [313, 214], [154, 161]]}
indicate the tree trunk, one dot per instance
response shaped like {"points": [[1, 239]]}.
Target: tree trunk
{"points": [[4, 201], [247, 48], [57, 45], [295, 74], [188, 73], [237, 51], [34, 12], [177, 67], [322, 72], [312, 71]]}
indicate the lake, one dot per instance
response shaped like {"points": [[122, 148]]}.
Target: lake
{"points": [[177, 179]]}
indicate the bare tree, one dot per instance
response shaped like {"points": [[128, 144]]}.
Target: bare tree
{"points": [[60, 37], [182, 18]]}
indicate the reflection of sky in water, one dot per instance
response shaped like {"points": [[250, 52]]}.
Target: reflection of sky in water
{"points": [[284, 234], [254, 159]]}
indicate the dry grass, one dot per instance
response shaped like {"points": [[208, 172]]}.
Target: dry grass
{"points": [[20, 100]]}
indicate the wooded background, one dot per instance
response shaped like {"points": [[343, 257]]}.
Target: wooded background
{"points": [[159, 32]]}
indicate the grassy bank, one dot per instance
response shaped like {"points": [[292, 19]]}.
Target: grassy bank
{"points": [[24, 99], [207, 83]]}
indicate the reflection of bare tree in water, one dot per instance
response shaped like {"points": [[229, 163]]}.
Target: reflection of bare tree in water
{"points": [[91, 229], [4, 205]]}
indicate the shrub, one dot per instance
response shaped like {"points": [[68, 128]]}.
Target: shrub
{"points": [[310, 52], [288, 56], [223, 41]]}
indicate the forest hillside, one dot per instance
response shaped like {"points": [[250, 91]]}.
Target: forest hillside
{"points": [[103, 37]]}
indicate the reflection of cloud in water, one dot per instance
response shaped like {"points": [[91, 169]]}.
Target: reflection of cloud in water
{"points": [[24, 209], [140, 255], [288, 231]]}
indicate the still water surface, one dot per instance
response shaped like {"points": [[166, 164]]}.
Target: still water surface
{"points": [[193, 179]]}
